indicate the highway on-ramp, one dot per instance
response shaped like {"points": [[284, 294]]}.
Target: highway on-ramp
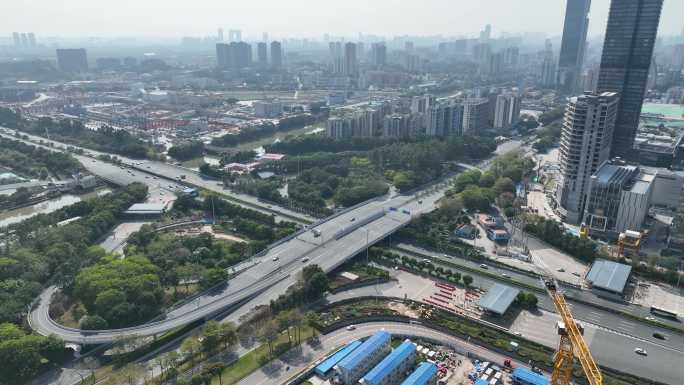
{"points": [[341, 237]]}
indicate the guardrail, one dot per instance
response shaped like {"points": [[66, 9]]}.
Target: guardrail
{"points": [[359, 224]]}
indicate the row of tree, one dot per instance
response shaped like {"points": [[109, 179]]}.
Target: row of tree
{"points": [[264, 130], [104, 139], [187, 151], [36, 162]]}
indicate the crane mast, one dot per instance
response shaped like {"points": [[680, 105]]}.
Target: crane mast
{"points": [[571, 341]]}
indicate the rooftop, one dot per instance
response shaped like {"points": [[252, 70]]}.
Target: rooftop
{"points": [[328, 364], [370, 345], [389, 363], [529, 377], [608, 275], [498, 298], [421, 375], [146, 208]]}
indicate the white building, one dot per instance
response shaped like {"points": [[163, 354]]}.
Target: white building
{"points": [[475, 115], [268, 109], [585, 144], [507, 110]]}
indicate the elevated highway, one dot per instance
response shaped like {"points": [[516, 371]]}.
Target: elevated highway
{"points": [[341, 237]]}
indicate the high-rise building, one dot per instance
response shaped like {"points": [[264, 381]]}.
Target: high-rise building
{"points": [[585, 144], [507, 110], [32, 39], [495, 64], [234, 35], [475, 115], [350, 59], [220, 34], [511, 57], [379, 54], [408, 46], [276, 55], [16, 39], [233, 55], [400, 125], [627, 52], [223, 56], [486, 34], [243, 54], [72, 60], [482, 52], [24, 40], [548, 72], [573, 45], [262, 54]]}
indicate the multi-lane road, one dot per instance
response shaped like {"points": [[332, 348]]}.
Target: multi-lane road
{"points": [[166, 174], [340, 238], [611, 338]]}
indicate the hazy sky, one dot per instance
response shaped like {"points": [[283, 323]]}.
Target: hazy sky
{"points": [[305, 18]]}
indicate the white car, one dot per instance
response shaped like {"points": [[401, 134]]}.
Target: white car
{"points": [[351, 327], [482, 265], [275, 258], [640, 351]]}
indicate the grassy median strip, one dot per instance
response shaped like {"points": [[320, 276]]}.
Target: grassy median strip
{"points": [[255, 359]]}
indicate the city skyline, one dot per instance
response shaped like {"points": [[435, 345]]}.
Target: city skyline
{"points": [[171, 18]]}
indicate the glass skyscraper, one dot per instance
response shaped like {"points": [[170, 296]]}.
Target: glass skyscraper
{"points": [[627, 51], [573, 45]]}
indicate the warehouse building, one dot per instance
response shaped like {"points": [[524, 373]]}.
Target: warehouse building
{"points": [[390, 371], [352, 367], [425, 374], [608, 279], [498, 299]]}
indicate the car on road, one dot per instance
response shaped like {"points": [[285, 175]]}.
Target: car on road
{"points": [[483, 266], [351, 327], [650, 318], [505, 275], [517, 334], [305, 260], [420, 202], [640, 351], [353, 219], [576, 274], [561, 270], [659, 336], [275, 258]]}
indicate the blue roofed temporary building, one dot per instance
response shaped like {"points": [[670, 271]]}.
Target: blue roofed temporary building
{"points": [[498, 298], [357, 363], [609, 276], [425, 374], [324, 367], [395, 363], [481, 382], [522, 376]]}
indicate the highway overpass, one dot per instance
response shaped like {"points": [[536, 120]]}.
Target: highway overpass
{"points": [[341, 237]]}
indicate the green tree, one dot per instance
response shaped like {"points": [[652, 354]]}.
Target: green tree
{"points": [[467, 280], [93, 323]]}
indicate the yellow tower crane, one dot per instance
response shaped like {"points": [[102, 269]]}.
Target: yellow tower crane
{"points": [[571, 343]]}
